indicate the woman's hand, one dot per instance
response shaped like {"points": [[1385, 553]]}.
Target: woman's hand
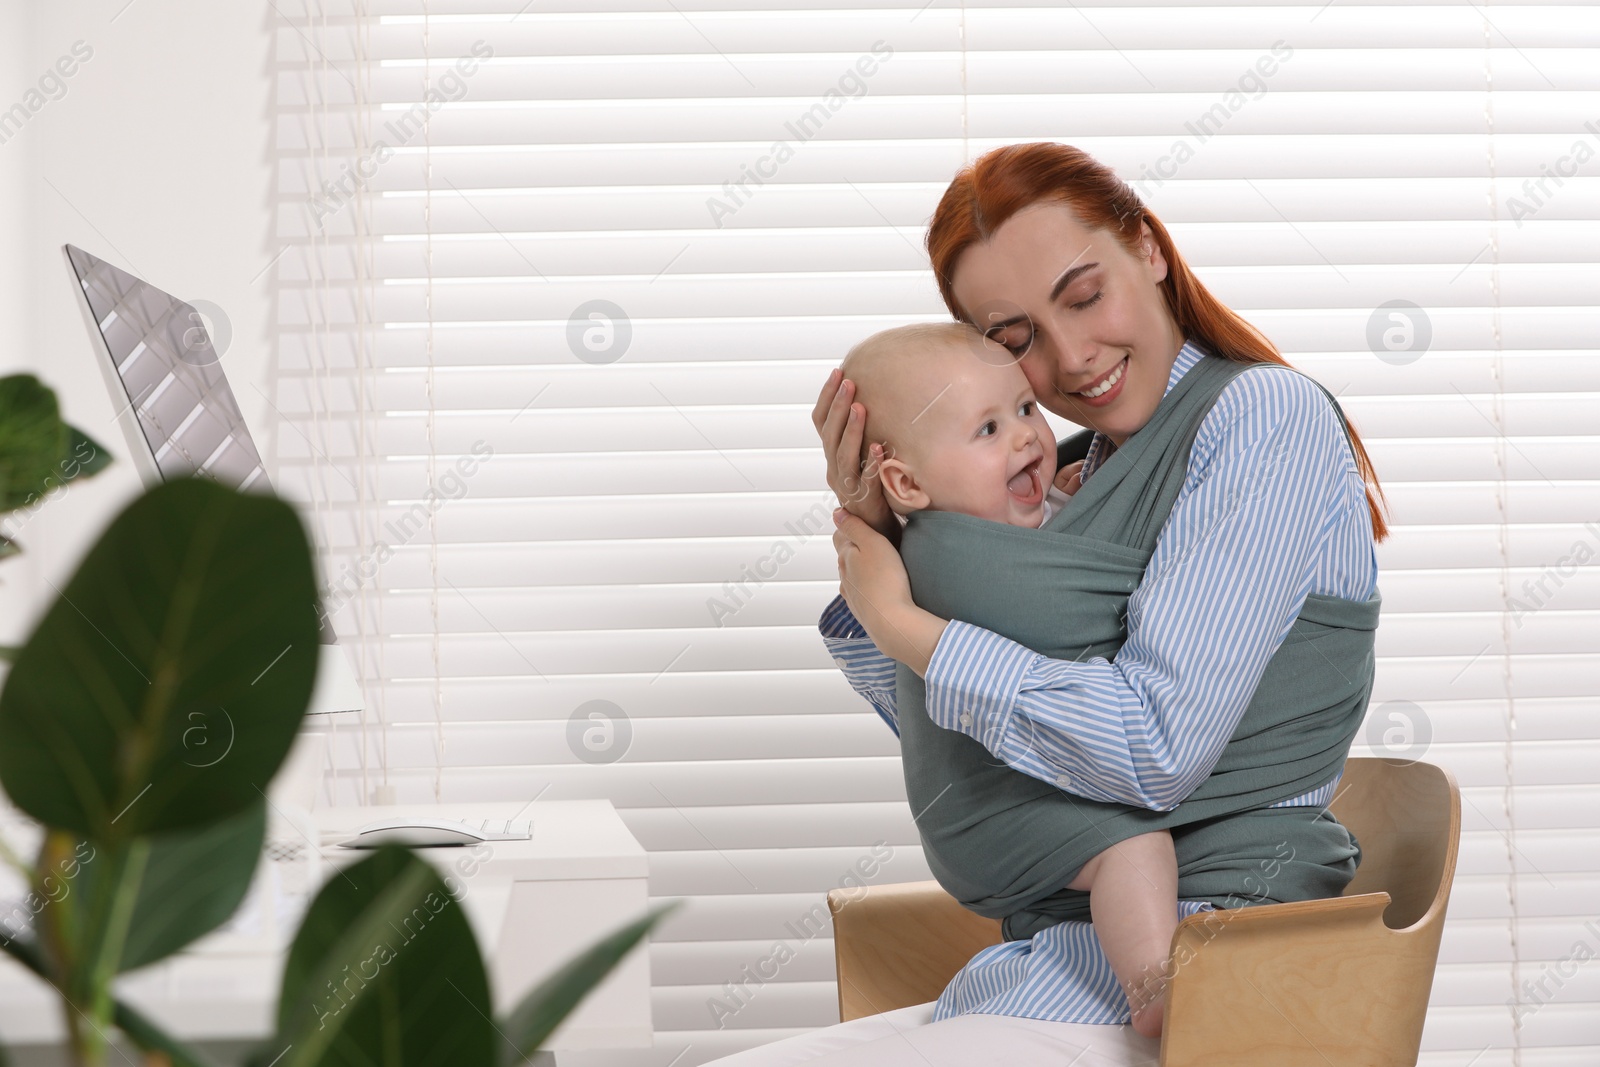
{"points": [[1067, 478], [873, 582], [840, 422]]}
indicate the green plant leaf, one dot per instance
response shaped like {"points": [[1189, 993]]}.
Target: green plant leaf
{"points": [[194, 880], [114, 908], [384, 970], [195, 611], [32, 439], [85, 457], [553, 999]]}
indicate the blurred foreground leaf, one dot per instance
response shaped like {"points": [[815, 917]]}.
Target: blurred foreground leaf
{"points": [[164, 687], [33, 439], [182, 885], [384, 969]]}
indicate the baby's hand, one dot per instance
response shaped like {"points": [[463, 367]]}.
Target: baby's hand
{"points": [[1067, 478]]}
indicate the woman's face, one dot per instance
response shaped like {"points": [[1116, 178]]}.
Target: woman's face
{"points": [[1084, 318]]}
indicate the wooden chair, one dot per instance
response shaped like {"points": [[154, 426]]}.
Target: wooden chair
{"points": [[1342, 982]]}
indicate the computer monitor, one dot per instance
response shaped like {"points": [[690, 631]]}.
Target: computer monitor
{"points": [[177, 414]]}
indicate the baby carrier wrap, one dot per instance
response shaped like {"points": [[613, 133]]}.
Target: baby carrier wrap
{"points": [[1004, 843]]}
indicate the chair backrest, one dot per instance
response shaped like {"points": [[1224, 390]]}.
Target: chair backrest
{"points": [[1336, 983], [1407, 818]]}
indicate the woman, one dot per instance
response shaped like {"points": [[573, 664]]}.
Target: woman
{"points": [[1050, 254]]}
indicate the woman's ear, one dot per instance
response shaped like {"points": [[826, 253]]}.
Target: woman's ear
{"points": [[1150, 253], [900, 487]]}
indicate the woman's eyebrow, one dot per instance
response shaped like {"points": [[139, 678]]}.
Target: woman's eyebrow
{"points": [[1067, 277]]}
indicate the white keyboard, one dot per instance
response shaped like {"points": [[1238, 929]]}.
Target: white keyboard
{"points": [[433, 833], [504, 829]]}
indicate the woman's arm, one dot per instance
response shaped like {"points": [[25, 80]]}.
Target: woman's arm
{"points": [[868, 670], [1272, 508]]}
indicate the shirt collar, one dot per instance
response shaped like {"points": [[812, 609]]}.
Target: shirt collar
{"points": [[1100, 446]]}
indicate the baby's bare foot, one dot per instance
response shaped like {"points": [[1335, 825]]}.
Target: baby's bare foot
{"points": [[1147, 999], [1147, 1020]]}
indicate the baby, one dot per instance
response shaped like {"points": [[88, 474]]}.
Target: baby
{"points": [[960, 430], [958, 424]]}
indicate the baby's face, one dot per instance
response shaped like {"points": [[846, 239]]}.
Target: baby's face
{"points": [[982, 447]]}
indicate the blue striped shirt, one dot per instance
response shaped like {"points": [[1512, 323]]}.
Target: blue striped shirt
{"points": [[1272, 509]]}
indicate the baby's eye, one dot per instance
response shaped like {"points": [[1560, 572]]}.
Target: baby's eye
{"points": [[1026, 409], [986, 426]]}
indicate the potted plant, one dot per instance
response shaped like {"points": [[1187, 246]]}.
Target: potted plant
{"points": [[198, 604]]}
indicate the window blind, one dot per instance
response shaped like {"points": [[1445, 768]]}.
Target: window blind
{"points": [[558, 287]]}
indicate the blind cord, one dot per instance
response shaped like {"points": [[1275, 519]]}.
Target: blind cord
{"points": [[1507, 680], [433, 522]]}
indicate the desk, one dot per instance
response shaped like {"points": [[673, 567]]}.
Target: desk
{"points": [[532, 904]]}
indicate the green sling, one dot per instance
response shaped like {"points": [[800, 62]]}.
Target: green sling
{"points": [[1005, 844]]}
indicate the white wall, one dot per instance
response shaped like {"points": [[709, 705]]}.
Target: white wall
{"points": [[18, 580], [156, 158]]}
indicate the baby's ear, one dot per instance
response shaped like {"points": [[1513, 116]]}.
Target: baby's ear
{"points": [[900, 486]]}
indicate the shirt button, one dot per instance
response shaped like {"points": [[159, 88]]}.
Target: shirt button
{"points": [[840, 661], [966, 718], [1062, 781]]}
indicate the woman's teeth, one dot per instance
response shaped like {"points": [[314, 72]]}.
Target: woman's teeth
{"points": [[1109, 383]]}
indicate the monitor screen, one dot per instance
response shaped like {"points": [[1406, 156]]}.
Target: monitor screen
{"points": [[168, 373], [172, 377]]}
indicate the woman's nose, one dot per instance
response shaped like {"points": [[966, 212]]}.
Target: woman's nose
{"points": [[1072, 354], [1075, 359]]}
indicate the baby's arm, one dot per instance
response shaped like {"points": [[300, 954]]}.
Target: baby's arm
{"points": [[869, 671]]}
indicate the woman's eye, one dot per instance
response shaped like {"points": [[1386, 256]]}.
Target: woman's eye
{"points": [[1091, 302], [1015, 345]]}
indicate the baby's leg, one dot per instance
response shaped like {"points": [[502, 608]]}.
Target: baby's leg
{"points": [[1133, 898]]}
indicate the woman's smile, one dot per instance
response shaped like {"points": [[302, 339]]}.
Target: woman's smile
{"points": [[1064, 327], [1105, 388]]}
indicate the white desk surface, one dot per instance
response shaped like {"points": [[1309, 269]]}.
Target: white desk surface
{"points": [[571, 838]]}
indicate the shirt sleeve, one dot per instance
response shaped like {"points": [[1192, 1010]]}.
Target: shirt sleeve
{"points": [[869, 671], [1270, 481]]}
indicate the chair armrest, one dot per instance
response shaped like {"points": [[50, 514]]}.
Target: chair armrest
{"points": [[1305, 982], [1367, 908], [900, 944]]}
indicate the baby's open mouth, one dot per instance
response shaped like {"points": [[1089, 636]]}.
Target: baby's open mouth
{"points": [[1025, 485]]}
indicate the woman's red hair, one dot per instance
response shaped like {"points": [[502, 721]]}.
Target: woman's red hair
{"points": [[1004, 181]]}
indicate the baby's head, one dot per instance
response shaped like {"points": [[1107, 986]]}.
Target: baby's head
{"points": [[960, 428]]}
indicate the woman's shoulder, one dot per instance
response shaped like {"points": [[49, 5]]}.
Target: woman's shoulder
{"points": [[1277, 403], [1269, 395], [1275, 386]]}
